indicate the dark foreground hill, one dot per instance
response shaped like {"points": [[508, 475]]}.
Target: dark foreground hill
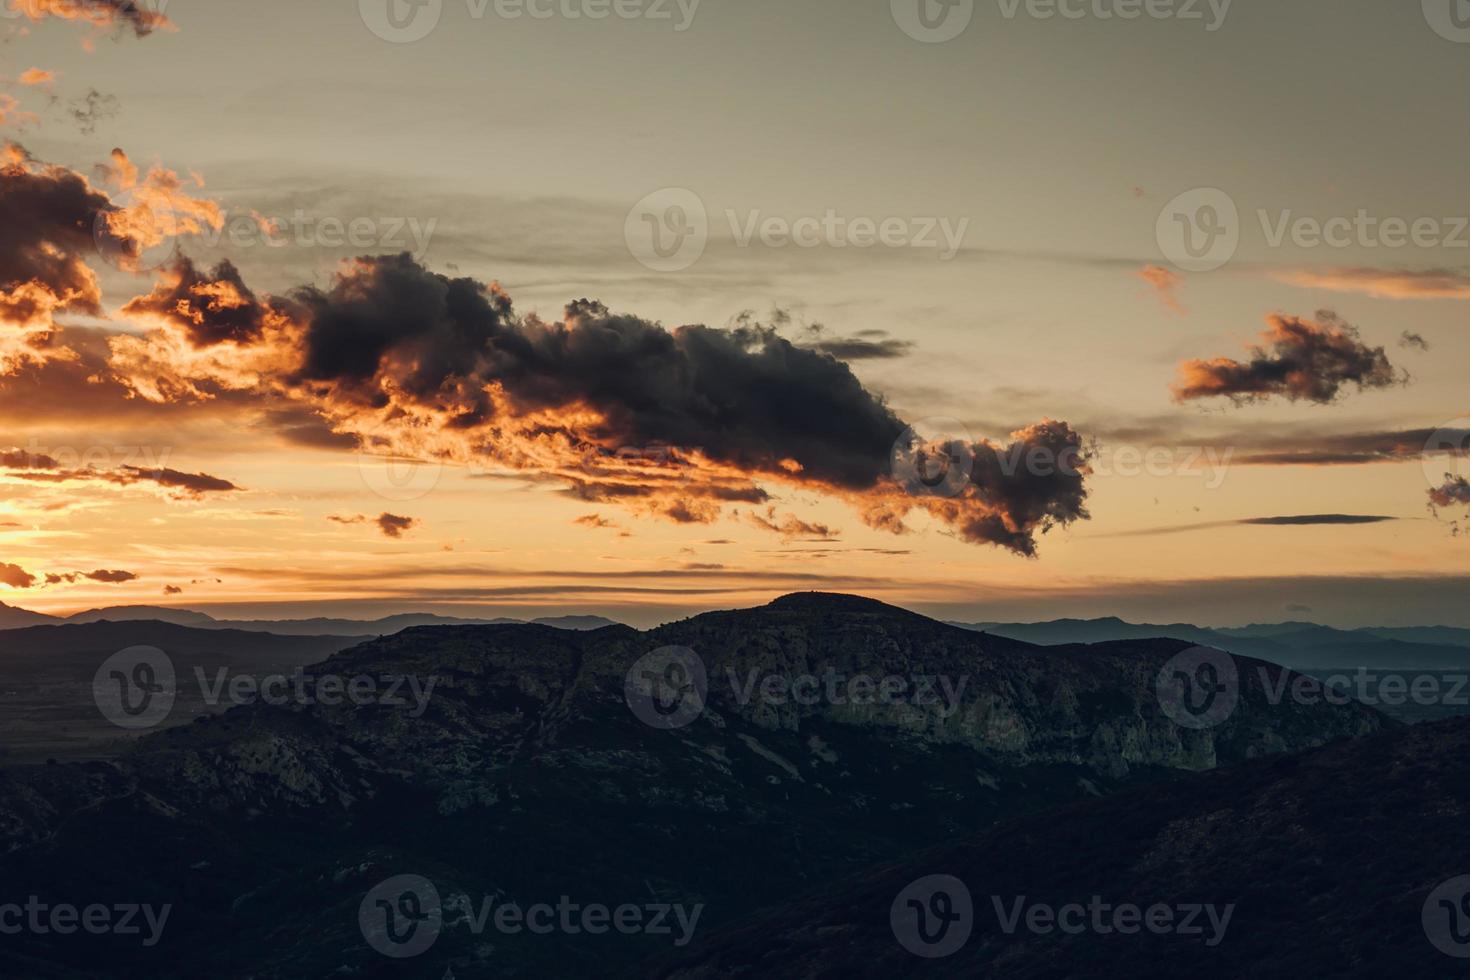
{"points": [[1340, 862], [691, 774]]}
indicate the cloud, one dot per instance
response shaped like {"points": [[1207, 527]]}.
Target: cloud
{"points": [[1315, 519], [1453, 492], [1384, 283], [618, 409], [11, 114], [40, 468], [91, 110], [126, 14], [36, 76], [15, 576], [106, 576], [1300, 360], [791, 527], [596, 521], [391, 525], [212, 307], [1303, 520], [1410, 339], [1165, 283], [172, 590]]}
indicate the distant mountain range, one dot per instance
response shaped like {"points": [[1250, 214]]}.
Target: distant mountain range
{"points": [[555, 763], [1301, 646], [12, 617]]}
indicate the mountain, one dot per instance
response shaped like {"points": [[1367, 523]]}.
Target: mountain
{"points": [[47, 706], [830, 733], [12, 618], [161, 614], [1300, 646], [1330, 862]]}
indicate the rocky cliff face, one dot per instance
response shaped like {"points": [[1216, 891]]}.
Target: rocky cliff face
{"points": [[1344, 861], [827, 733]]}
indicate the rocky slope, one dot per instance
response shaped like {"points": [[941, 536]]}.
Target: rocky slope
{"points": [[527, 775], [1340, 862]]}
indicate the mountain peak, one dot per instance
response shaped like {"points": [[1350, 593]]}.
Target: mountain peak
{"points": [[831, 602]]}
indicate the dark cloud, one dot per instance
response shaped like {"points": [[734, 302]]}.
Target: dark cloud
{"points": [[39, 468], [1453, 492], [123, 14], [172, 590], [51, 217], [1311, 519], [1299, 520], [191, 484], [1300, 360], [1410, 339], [106, 576], [91, 110], [15, 576], [212, 307], [392, 525], [791, 527], [392, 344]]}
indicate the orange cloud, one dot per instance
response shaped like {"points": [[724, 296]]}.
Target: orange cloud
{"points": [[98, 13], [1384, 283], [37, 76], [1165, 282], [1300, 359]]}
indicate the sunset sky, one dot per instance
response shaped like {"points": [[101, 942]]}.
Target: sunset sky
{"points": [[239, 438]]}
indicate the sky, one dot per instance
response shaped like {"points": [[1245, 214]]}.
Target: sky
{"points": [[514, 308]]}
